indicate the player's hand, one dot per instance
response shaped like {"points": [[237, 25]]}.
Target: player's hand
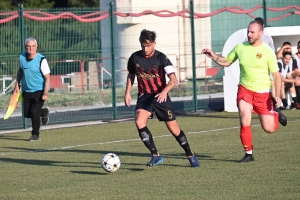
{"points": [[297, 81], [209, 53], [286, 46], [45, 97], [16, 90], [161, 97], [278, 102], [127, 100]]}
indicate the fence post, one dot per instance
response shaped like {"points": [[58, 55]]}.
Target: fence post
{"points": [[112, 51], [21, 29], [193, 55], [265, 12]]}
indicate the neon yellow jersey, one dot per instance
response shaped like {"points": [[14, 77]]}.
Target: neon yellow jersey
{"points": [[256, 64]]}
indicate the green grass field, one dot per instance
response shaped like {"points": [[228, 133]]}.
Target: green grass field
{"points": [[65, 164]]}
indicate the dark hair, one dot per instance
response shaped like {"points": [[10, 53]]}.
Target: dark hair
{"points": [[286, 53], [147, 35], [298, 43], [288, 43], [260, 20]]}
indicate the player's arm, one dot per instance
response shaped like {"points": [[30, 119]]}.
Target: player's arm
{"points": [[46, 73], [280, 52], [129, 83], [130, 80], [173, 81], [277, 85], [295, 71], [162, 96], [220, 60], [18, 80], [170, 71], [47, 86], [288, 80]]}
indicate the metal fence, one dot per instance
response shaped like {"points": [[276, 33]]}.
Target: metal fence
{"points": [[86, 84]]}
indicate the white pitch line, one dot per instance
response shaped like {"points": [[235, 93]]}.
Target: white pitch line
{"points": [[117, 141]]}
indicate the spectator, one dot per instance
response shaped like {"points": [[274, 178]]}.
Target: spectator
{"points": [[287, 47], [296, 56], [286, 70]]}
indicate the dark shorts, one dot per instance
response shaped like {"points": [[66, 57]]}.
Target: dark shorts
{"points": [[164, 111], [33, 103]]}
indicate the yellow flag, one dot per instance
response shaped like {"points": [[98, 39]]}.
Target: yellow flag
{"points": [[16, 97]]}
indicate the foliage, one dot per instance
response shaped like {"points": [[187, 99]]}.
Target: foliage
{"points": [[13, 5]]}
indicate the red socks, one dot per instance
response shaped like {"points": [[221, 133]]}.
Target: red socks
{"points": [[246, 137]]}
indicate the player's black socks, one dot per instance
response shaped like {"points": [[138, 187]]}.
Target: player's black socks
{"points": [[181, 139], [297, 88], [295, 99], [274, 102], [147, 139], [284, 102]]}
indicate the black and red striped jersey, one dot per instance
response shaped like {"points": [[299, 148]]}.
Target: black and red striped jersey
{"points": [[150, 72]]}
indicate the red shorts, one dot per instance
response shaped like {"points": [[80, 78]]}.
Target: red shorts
{"points": [[261, 102]]}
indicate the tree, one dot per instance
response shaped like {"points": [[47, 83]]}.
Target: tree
{"points": [[13, 4], [76, 3]]}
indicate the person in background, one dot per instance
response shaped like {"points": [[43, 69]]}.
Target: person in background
{"points": [[257, 61], [296, 56], [287, 47], [286, 71], [35, 72], [151, 67]]}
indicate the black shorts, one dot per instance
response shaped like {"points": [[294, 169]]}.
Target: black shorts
{"points": [[164, 111]]}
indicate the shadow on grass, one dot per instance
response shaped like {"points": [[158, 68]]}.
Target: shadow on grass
{"points": [[119, 153], [89, 173], [36, 162], [10, 137]]}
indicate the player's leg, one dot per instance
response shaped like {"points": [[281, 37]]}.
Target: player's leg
{"points": [[36, 109], [292, 91], [165, 112], [244, 102], [269, 117], [142, 114], [182, 141], [27, 107], [283, 96], [245, 115], [146, 136], [297, 88], [32, 108], [273, 93]]}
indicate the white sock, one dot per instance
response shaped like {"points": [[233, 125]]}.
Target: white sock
{"points": [[249, 152]]}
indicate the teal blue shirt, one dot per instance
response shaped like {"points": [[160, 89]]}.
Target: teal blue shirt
{"points": [[33, 79]]}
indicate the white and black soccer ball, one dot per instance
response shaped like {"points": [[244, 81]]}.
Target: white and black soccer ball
{"points": [[110, 162]]}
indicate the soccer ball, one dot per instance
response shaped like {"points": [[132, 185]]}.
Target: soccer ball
{"points": [[110, 162]]}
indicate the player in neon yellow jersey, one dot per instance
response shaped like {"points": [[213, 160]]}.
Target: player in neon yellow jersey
{"points": [[257, 61]]}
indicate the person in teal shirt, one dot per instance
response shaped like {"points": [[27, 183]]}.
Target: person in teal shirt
{"points": [[35, 72]]}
